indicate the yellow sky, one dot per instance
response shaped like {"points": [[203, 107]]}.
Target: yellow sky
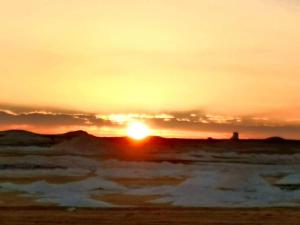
{"points": [[227, 56]]}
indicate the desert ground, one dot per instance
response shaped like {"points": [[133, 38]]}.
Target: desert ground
{"points": [[146, 216], [76, 178]]}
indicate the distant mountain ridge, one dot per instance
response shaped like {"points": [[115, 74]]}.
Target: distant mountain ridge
{"points": [[81, 142], [24, 137]]}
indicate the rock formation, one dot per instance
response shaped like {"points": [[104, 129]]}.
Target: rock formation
{"points": [[235, 136]]}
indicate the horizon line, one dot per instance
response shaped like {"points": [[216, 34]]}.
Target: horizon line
{"points": [[154, 136]]}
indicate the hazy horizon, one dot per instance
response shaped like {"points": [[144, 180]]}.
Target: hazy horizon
{"points": [[189, 124]]}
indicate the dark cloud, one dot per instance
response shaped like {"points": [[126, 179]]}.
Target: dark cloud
{"points": [[26, 109], [181, 121], [249, 126], [39, 119]]}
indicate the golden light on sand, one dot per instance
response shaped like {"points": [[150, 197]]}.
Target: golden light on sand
{"points": [[137, 130]]}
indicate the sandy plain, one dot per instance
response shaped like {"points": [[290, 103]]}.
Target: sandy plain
{"points": [[148, 216]]}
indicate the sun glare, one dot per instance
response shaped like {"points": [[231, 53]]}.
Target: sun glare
{"points": [[137, 130]]}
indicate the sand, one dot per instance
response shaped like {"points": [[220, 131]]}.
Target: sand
{"points": [[49, 179], [148, 216], [130, 200], [140, 182], [17, 199], [159, 190]]}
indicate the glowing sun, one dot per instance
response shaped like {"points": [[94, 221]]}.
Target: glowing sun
{"points": [[137, 130]]}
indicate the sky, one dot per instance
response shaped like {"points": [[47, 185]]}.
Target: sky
{"points": [[186, 68]]}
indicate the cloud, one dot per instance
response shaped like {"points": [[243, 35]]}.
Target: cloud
{"points": [[197, 122], [46, 119], [250, 126]]}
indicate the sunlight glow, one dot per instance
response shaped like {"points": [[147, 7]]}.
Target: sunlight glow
{"points": [[137, 130]]}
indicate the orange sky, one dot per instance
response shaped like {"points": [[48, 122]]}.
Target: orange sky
{"points": [[226, 58]]}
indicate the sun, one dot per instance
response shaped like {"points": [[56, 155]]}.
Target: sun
{"points": [[137, 130]]}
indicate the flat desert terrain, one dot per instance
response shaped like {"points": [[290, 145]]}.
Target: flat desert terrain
{"points": [[146, 216], [77, 178]]}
